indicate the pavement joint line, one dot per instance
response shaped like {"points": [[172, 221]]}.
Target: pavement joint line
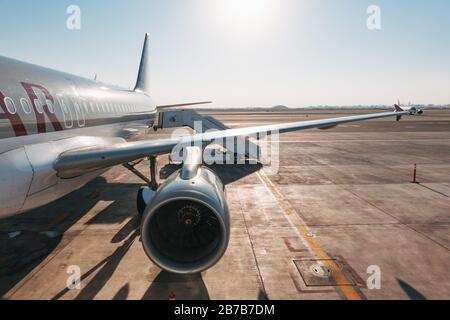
{"points": [[390, 215], [296, 221], [409, 226], [253, 249], [431, 189]]}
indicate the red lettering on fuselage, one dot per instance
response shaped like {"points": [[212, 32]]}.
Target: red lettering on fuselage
{"points": [[40, 117], [14, 118]]}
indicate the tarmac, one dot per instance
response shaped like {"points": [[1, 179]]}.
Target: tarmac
{"points": [[340, 219]]}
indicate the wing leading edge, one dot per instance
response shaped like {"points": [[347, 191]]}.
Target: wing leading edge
{"points": [[76, 162]]}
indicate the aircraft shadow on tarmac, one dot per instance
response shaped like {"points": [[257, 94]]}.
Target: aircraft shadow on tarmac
{"points": [[412, 293], [41, 231]]}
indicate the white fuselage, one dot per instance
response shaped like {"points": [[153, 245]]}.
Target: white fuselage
{"points": [[44, 113]]}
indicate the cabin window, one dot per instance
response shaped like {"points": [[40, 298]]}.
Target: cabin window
{"points": [[50, 106], [25, 105], [79, 113], [10, 105], [91, 104], [39, 106], [67, 113], [85, 105]]}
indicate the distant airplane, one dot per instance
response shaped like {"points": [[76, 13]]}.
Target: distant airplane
{"points": [[413, 110], [59, 131]]}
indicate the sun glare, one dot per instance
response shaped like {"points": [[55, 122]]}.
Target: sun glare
{"points": [[244, 13]]}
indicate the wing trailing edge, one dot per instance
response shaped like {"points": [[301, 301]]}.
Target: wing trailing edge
{"points": [[77, 162]]}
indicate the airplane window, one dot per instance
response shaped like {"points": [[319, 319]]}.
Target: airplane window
{"points": [[86, 107], [25, 105], [91, 104], [50, 106], [67, 113], [38, 105], [10, 105]]}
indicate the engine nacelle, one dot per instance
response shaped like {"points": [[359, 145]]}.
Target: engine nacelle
{"points": [[186, 225]]}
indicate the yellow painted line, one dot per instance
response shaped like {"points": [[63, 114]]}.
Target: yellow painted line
{"points": [[299, 224]]}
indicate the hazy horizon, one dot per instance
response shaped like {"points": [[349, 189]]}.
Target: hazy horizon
{"points": [[241, 53]]}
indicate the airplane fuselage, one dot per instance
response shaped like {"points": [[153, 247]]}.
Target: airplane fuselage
{"points": [[45, 112]]}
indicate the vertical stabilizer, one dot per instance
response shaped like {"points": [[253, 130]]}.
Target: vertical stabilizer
{"points": [[143, 79]]}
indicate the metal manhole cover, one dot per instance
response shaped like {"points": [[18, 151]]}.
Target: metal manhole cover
{"points": [[319, 273]]}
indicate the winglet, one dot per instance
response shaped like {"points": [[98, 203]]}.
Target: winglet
{"points": [[143, 79]]}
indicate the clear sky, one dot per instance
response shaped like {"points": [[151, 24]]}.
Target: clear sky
{"points": [[243, 53]]}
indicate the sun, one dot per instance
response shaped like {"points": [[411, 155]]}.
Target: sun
{"points": [[244, 13]]}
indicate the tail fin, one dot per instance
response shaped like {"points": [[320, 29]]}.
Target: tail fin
{"points": [[143, 79]]}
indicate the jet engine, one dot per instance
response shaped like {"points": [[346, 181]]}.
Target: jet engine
{"points": [[186, 224]]}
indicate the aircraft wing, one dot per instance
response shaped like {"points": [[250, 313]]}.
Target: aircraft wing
{"points": [[170, 106], [79, 161]]}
